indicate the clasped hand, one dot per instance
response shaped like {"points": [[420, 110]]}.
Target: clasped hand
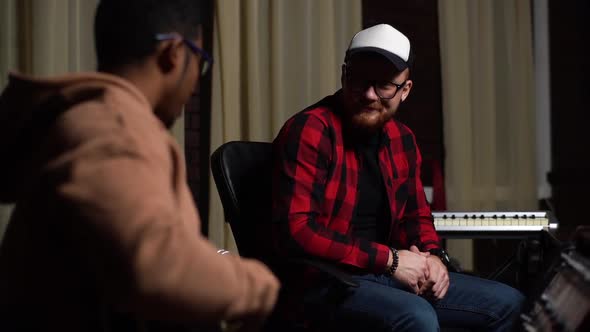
{"points": [[424, 274]]}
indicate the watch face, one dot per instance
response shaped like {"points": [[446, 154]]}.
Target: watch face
{"points": [[442, 254]]}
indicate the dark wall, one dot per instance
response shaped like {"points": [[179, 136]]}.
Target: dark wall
{"points": [[197, 129], [570, 88], [422, 110]]}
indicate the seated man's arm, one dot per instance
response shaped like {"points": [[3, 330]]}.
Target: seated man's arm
{"points": [[135, 239], [421, 232], [302, 160]]}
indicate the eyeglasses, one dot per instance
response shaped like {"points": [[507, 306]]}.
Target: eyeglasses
{"points": [[383, 89], [206, 59]]}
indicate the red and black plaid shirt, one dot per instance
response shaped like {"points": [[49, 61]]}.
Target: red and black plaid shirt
{"points": [[315, 188]]}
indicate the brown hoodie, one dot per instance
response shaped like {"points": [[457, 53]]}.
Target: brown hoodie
{"points": [[104, 221]]}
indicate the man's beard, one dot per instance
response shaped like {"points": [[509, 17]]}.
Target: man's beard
{"points": [[367, 124]]}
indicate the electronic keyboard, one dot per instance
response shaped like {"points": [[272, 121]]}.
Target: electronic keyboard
{"points": [[534, 221]]}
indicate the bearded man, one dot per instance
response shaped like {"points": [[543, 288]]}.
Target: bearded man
{"points": [[347, 190]]}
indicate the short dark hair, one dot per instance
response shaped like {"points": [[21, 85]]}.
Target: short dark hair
{"points": [[124, 30]]}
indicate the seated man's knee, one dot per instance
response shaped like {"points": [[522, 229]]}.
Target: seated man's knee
{"points": [[415, 315], [511, 301], [418, 315]]}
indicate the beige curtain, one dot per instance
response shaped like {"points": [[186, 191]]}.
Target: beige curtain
{"points": [[273, 58], [8, 59], [49, 37], [44, 37], [488, 105]]}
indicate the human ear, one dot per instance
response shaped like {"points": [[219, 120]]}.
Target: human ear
{"points": [[406, 89], [169, 55]]}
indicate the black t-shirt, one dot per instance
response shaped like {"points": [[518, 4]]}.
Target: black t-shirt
{"points": [[371, 217]]}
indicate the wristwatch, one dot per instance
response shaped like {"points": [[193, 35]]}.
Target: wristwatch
{"points": [[442, 254]]}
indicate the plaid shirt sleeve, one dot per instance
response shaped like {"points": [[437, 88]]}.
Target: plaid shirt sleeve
{"points": [[419, 222], [302, 160]]}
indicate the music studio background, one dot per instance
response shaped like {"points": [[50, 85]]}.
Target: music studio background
{"points": [[500, 94]]}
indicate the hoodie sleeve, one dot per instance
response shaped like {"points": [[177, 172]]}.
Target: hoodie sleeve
{"points": [[130, 230]]}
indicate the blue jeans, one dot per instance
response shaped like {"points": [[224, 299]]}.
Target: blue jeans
{"points": [[383, 304]]}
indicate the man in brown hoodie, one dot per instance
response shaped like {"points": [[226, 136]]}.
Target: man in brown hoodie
{"points": [[105, 227]]}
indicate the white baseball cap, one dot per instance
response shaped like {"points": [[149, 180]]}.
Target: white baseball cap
{"points": [[385, 40]]}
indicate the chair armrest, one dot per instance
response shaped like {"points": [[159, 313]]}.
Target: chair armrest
{"points": [[343, 277]]}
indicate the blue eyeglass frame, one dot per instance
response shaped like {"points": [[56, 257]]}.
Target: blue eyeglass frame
{"points": [[206, 59]]}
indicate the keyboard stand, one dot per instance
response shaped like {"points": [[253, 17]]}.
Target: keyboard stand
{"points": [[528, 260]]}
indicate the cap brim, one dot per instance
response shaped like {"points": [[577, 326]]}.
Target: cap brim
{"points": [[398, 62]]}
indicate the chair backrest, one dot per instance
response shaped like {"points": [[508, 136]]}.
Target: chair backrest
{"points": [[242, 174]]}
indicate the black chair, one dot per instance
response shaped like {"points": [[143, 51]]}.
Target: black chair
{"points": [[243, 176]]}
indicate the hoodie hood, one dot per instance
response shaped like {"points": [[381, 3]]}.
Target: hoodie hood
{"points": [[28, 109]]}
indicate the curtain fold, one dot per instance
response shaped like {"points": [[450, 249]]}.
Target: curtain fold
{"points": [[272, 59], [49, 37], [8, 60], [488, 108], [44, 37]]}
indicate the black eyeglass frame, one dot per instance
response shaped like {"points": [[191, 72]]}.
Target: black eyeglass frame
{"points": [[373, 84]]}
